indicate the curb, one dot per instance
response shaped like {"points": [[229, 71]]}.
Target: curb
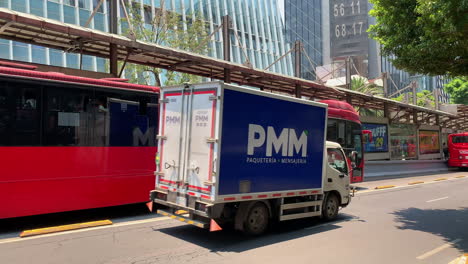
{"points": [[62, 228]]}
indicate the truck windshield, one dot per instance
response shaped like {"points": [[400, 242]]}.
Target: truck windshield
{"points": [[337, 160], [460, 139]]}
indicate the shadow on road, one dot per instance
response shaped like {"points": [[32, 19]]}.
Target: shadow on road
{"points": [[233, 241], [12, 226], [451, 224]]}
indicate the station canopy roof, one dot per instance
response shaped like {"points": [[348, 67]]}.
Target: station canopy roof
{"points": [[50, 33]]}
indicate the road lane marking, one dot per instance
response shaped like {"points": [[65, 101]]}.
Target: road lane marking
{"points": [[439, 249], [461, 176], [438, 199], [136, 222]]}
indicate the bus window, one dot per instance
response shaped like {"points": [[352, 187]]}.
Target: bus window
{"points": [[19, 115], [67, 117]]}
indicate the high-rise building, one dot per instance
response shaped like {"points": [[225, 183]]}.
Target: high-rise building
{"points": [[257, 23], [332, 30], [303, 22]]}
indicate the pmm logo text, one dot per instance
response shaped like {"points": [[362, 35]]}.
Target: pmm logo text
{"points": [[287, 143]]}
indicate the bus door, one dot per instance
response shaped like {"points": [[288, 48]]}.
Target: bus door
{"points": [[357, 172]]}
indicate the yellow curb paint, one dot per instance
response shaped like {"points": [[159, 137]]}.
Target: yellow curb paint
{"points": [[440, 179], [62, 228], [460, 260], [461, 176], [416, 182], [384, 187]]}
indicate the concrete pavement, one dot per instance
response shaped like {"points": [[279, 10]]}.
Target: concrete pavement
{"points": [[425, 223]]}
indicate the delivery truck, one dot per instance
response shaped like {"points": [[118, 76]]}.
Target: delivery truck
{"points": [[230, 155]]}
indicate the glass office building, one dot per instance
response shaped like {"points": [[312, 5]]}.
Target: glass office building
{"points": [[303, 20], [257, 23]]}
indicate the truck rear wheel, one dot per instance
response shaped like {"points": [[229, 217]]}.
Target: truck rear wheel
{"points": [[330, 207], [257, 220]]}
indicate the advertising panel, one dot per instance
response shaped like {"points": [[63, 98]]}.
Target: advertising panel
{"points": [[270, 143], [429, 142], [378, 142], [348, 28]]}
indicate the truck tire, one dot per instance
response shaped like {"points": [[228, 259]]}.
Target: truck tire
{"points": [[257, 220], [330, 207]]}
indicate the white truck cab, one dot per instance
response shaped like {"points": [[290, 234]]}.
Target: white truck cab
{"points": [[336, 181]]}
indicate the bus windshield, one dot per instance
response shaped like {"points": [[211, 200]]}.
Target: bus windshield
{"points": [[459, 139]]}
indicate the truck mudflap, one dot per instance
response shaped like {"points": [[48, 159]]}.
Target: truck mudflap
{"points": [[184, 216]]}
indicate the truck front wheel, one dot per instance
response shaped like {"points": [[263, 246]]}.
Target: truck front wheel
{"points": [[330, 207], [257, 219]]}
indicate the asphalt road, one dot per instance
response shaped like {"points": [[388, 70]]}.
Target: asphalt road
{"points": [[426, 223]]}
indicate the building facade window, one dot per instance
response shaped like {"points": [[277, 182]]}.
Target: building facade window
{"points": [[256, 22]]}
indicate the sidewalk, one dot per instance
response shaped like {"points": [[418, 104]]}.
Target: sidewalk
{"points": [[374, 182]]}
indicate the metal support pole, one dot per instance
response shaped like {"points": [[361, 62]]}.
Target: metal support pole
{"points": [[348, 73], [386, 112], [413, 86], [436, 98], [113, 28], [385, 85], [297, 66], [226, 47], [415, 117]]}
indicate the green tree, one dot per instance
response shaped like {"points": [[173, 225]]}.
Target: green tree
{"points": [[361, 84], [169, 29], [424, 98], [458, 90], [423, 36]]}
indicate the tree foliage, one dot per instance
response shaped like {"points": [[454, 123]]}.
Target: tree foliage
{"points": [[424, 98], [423, 36], [458, 90], [169, 29], [361, 84]]}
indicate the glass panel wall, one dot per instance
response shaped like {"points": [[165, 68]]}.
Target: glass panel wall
{"points": [[402, 141]]}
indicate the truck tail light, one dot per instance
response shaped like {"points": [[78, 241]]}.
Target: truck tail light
{"points": [[161, 196]]}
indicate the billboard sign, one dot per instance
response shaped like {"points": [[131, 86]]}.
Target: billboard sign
{"points": [[348, 28], [379, 141]]}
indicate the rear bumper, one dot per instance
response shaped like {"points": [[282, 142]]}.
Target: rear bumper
{"points": [[184, 218], [174, 207]]}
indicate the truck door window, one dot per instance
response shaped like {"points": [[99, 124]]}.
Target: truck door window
{"points": [[337, 160]]}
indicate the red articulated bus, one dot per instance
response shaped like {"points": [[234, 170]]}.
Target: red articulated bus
{"points": [[344, 127], [458, 150], [70, 143]]}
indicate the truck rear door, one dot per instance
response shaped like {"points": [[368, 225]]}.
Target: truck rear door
{"points": [[187, 144]]}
